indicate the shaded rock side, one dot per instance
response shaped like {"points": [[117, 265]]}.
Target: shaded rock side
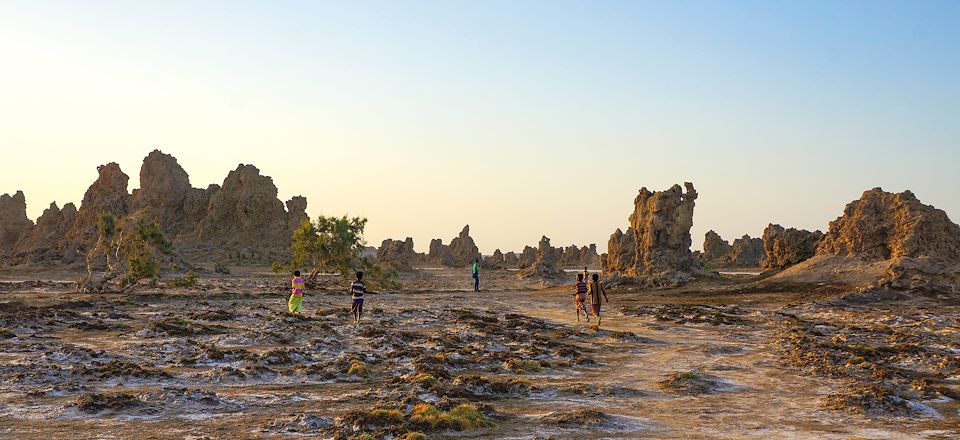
{"points": [[716, 250], [14, 223], [785, 247], [107, 194], [746, 251], [397, 254], [496, 260], [463, 250], [245, 211], [545, 265]]}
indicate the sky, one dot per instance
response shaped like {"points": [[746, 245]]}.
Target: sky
{"points": [[521, 118]]}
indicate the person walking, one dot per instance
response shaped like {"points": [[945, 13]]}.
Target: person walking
{"points": [[595, 290], [357, 289], [295, 302], [579, 298], [476, 275]]}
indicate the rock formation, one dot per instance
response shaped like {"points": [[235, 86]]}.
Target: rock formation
{"points": [[245, 211], [655, 251], [718, 253], [511, 260], [716, 250], [746, 252], [296, 212], [461, 252], [784, 247], [164, 189], [545, 265], [919, 241], [107, 194], [527, 257], [397, 254], [439, 253], [14, 223], [242, 219], [464, 251], [574, 257], [495, 260]]}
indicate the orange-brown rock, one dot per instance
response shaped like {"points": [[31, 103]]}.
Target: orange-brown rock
{"points": [[655, 251]]}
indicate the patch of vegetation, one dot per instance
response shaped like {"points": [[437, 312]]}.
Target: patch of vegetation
{"points": [[5, 333], [358, 368], [414, 435], [577, 417], [520, 366], [189, 280], [425, 379], [133, 249], [467, 417], [463, 417], [688, 382]]}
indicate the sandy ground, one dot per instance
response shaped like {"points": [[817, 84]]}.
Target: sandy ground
{"points": [[225, 360]]}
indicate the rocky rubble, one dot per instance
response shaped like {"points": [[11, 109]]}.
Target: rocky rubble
{"points": [[655, 250], [242, 219]]}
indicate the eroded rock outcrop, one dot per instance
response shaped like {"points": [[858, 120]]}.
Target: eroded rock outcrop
{"points": [[107, 194], [655, 251], [164, 189], [14, 223], [241, 219], [511, 260], [461, 252], [527, 257], [397, 254], [920, 242], [296, 212], [718, 253], [545, 264], [716, 250], [578, 257], [495, 260], [746, 252], [785, 247]]}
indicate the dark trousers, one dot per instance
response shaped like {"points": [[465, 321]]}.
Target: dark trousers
{"points": [[476, 282]]}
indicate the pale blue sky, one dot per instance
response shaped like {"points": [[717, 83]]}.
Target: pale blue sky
{"points": [[521, 118]]}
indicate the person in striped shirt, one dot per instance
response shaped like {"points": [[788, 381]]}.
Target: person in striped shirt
{"points": [[296, 298], [580, 297], [357, 289]]}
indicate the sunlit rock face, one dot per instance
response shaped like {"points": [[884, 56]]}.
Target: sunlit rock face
{"points": [[655, 250]]}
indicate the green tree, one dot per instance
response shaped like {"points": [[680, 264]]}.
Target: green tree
{"points": [[133, 249], [331, 244]]}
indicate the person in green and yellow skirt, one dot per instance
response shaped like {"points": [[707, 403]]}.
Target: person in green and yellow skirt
{"points": [[296, 298]]}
